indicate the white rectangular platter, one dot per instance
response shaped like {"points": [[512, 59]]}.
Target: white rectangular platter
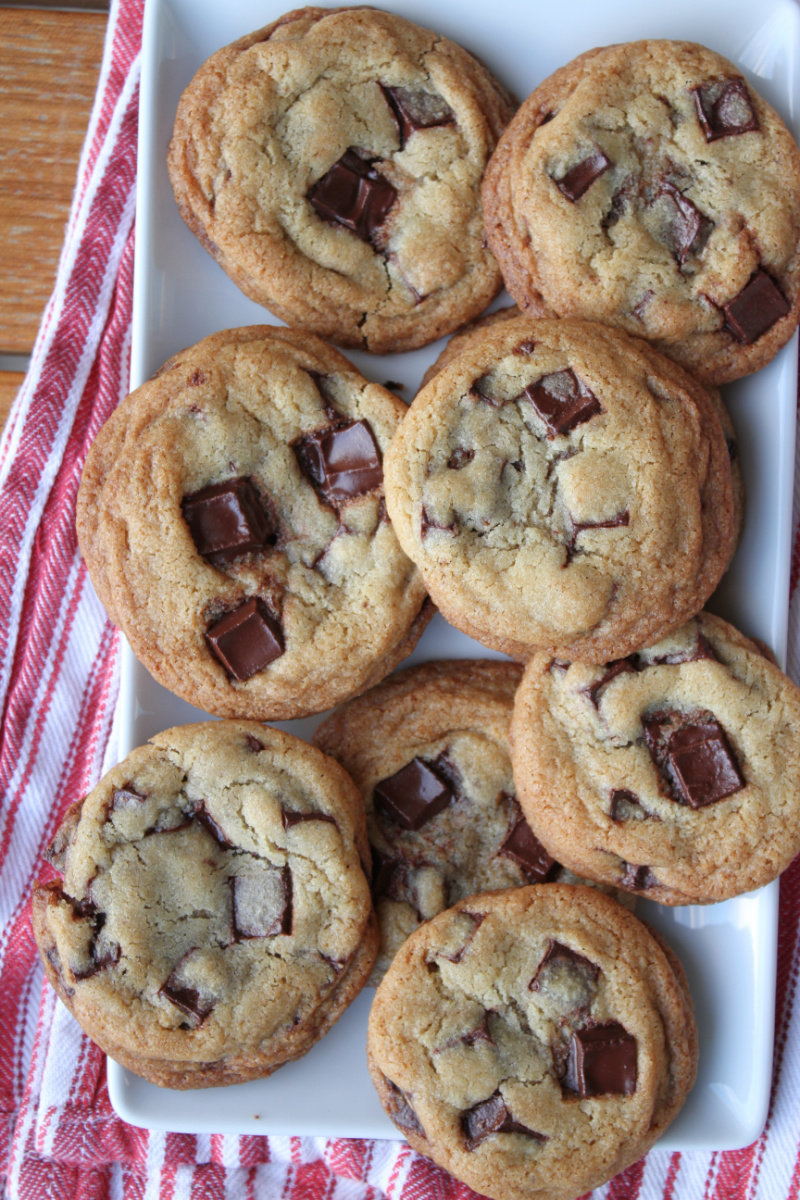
{"points": [[180, 296]]}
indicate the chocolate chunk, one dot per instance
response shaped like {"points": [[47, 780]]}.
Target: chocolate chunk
{"points": [[100, 960], [562, 401], [477, 919], [622, 666], [724, 109], [254, 744], [602, 1061], [624, 805], [489, 1117], [198, 811], [291, 818], [262, 901], [415, 108], [391, 877], [188, 999], [701, 649], [756, 309], [687, 229], [126, 797], [557, 958], [480, 390], [401, 1112], [638, 878], [581, 177], [480, 1033], [341, 463], [621, 520], [694, 755], [246, 640], [353, 194], [459, 458], [427, 522], [525, 347], [227, 520], [524, 847], [413, 795]]}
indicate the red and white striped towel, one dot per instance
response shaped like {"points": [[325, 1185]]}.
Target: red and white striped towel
{"points": [[58, 685]]}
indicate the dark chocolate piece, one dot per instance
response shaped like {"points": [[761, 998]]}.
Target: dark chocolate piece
{"points": [[416, 108], [355, 195], [196, 1007], [758, 306], [524, 847], [479, 390], [459, 458], [254, 744], [525, 347], [558, 956], [341, 463], [621, 520], [489, 1117], [622, 666], [401, 1112], [427, 523], [291, 818], [476, 919], [414, 794], [602, 1061], [99, 960], [480, 1033], [126, 797], [638, 878], [391, 877], [227, 520], [198, 811], [622, 802], [687, 229], [262, 903], [694, 755], [246, 640], [580, 178], [702, 649], [724, 109], [562, 401]]}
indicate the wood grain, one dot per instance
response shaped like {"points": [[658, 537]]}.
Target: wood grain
{"points": [[10, 382], [49, 65]]}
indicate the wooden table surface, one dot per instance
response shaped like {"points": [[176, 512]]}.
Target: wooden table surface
{"points": [[49, 66]]}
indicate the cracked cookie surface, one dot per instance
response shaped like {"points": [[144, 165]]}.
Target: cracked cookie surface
{"points": [[647, 185], [428, 750], [533, 1042], [331, 163], [672, 773], [231, 516], [562, 485], [213, 918]]}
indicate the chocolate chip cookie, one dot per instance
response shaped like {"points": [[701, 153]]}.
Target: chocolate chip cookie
{"points": [[533, 1042], [649, 186], [672, 772], [331, 163], [428, 749], [212, 920], [562, 485], [232, 519]]}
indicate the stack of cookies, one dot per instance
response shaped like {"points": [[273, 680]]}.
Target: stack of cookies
{"points": [[271, 531]]}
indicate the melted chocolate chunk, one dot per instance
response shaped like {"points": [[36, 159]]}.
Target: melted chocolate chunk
{"points": [[415, 108], [401, 1112], [622, 802], [480, 1033], [341, 463], [101, 960], [427, 523], [227, 520], [355, 195], [459, 458], [489, 1117], [188, 999], [291, 818], [476, 919], [254, 744], [414, 794], [621, 520], [524, 847], [622, 666], [198, 811], [526, 347], [480, 391], [758, 306], [638, 878], [687, 229], [694, 755], [562, 401], [557, 958], [246, 640], [391, 877], [602, 1062], [262, 902], [701, 649], [126, 797], [581, 177], [724, 109]]}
